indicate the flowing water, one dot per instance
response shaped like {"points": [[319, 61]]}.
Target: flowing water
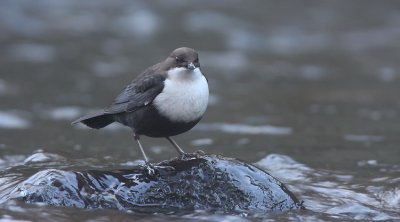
{"points": [[308, 90]]}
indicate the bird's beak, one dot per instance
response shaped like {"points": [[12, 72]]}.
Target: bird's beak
{"points": [[191, 66]]}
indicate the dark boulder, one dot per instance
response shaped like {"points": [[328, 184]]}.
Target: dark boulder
{"points": [[210, 182]]}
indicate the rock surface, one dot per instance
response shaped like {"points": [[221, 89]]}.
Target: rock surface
{"points": [[210, 182]]}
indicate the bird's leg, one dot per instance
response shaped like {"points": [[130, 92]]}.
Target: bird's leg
{"points": [[176, 146], [149, 167], [182, 154]]}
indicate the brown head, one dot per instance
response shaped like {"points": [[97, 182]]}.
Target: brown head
{"points": [[183, 57]]}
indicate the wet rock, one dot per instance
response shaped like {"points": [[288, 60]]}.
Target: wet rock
{"points": [[210, 182]]}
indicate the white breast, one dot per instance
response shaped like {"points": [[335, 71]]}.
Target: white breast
{"points": [[184, 97]]}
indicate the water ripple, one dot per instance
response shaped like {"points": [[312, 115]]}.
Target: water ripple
{"points": [[334, 193], [236, 128]]}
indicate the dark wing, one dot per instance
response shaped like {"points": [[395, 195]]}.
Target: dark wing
{"points": [[141, 92]]}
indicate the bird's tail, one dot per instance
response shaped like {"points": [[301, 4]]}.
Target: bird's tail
{"points": [[96, 120]]}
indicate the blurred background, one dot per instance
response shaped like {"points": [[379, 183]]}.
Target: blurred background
{"points": [[313, 81]]}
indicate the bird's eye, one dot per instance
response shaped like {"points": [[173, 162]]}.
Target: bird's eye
{"points": [[179, 60]]}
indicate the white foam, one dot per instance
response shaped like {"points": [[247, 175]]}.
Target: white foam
{"points": [[12, 121], [363, 138], [245, 129], [65, 113], [41, 157], [202, 142], [142, 23], [37, 53]]}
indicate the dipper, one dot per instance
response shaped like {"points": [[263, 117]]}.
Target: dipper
{"points": [[167, 99]]}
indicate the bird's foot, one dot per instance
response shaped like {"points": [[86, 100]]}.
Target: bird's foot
{"points": [[197, 154], [152, 170]]}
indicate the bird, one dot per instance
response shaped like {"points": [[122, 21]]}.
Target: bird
{"points": [[167, 99]]}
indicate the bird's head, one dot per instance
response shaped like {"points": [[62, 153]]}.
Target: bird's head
{"points": [[184, 57]]}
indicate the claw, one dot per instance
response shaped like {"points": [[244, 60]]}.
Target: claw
{"points": [[184, 156], [152, 170], [166, 168], [197, 154]]}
